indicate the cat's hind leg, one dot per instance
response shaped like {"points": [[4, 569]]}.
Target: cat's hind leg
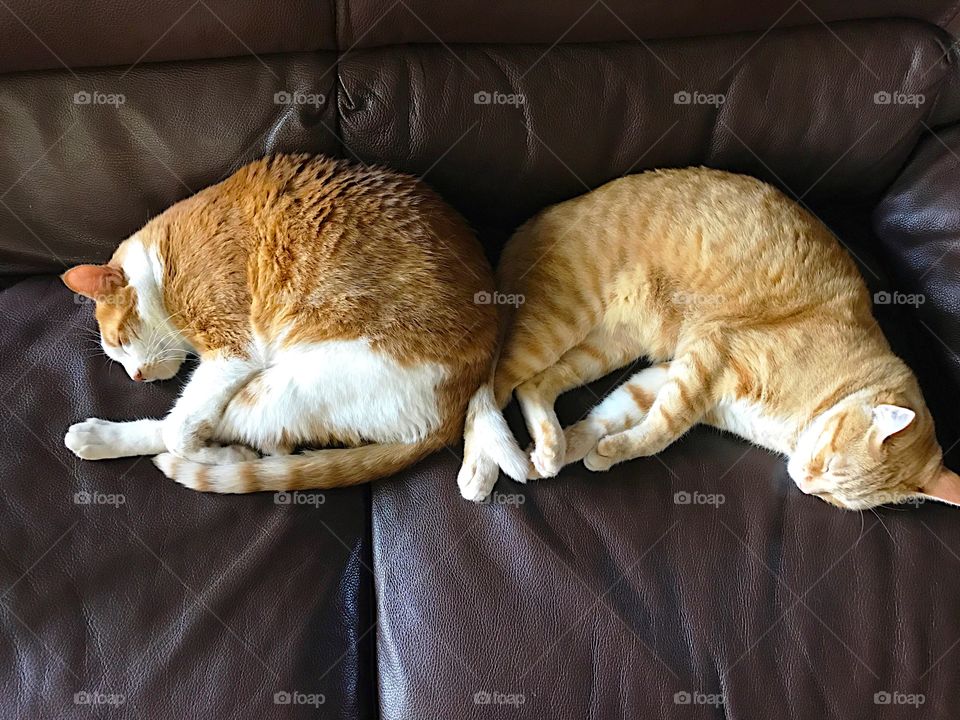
{"points": [[189, 428], [95, 439], [680, 403], [600, 352], [541, 330], [623, 408]]}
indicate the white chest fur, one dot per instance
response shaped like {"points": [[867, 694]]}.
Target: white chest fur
{"points": [[341, 386]]}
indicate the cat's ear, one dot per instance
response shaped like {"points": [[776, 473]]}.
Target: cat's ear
{"points": [[945, 488], [93, 281], [891, 419]]}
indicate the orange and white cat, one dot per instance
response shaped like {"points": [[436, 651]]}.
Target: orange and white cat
{"points": [[328, 303], [756, 319]]}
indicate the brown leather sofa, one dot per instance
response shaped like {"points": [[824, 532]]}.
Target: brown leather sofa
{"points": [[698, 584]]}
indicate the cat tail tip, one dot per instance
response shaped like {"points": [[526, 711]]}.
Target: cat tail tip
{"points": [[309, 470]]}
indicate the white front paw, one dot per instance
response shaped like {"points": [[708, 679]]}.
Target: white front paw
{"points": [[94, 439], [477, 476]]}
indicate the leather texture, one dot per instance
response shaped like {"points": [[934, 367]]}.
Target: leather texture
{"points": [[918, 221], [78, 33], [699, 583], [125, 595], [593, 113], [79, 177], [369, 23], [635, 593]]}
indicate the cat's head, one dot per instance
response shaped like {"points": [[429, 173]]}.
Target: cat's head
{"points": [[133, 330], [863, 453]]}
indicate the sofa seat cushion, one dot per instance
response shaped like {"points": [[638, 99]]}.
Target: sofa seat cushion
{"points": [[119, 587]]}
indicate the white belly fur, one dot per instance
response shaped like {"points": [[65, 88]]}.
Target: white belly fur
{"points": [[342, 386], [747, 420]]}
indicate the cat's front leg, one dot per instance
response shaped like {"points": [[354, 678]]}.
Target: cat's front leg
{"points": [[95, 439], [189, 428], [624, 408], [680, 403]]}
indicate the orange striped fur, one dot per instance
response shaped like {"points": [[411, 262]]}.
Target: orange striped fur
{"points": [[762, 319], [308, 263]]}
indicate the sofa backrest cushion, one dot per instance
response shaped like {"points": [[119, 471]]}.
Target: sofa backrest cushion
{"points": [[828, 112]]}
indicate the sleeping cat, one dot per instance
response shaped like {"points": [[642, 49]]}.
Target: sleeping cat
{"points": [[757, 321], [328, 303]]}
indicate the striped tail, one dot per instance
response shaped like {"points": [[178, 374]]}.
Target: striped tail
{"points": [[311, 470]]}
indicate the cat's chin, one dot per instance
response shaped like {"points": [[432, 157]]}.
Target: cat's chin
{"points": [[166, 375], [157, 373]]}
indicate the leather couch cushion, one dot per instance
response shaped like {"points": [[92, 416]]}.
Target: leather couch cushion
{"points": [[638, 593], [77, 34], [607, 596], [119, 583], [77, 177], [918, 223], [368, 23], [81, 33], [593, 113]]}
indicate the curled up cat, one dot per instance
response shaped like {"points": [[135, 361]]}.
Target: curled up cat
{"points": [[755, 319], [329, 304]]}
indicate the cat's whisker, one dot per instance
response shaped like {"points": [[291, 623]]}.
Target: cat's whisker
{"points": [[169, 336], [880, 520]]}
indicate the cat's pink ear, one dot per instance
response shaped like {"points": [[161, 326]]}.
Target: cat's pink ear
{"points": [[891, 419], [93, 281], [945, 487]]}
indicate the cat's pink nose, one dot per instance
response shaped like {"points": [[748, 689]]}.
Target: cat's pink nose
{"points": [[138, 377]]}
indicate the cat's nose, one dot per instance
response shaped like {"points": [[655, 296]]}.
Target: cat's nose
{"points": [[138, 377]]}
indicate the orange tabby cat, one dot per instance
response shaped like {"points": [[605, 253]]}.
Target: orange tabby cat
{"points": [[329, 304], [759, 321]]}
